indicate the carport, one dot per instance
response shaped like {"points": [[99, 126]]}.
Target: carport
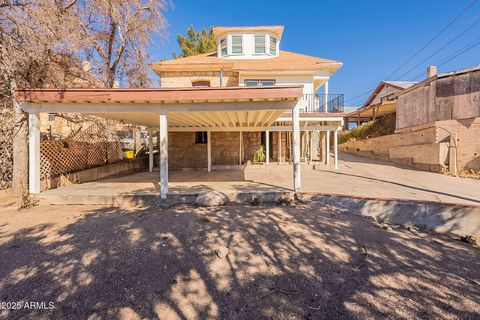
{"points": [[163, 110]]}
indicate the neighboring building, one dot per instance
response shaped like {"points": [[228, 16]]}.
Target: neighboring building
{"points": [[251, 56], [380, 102], [437, 124]]}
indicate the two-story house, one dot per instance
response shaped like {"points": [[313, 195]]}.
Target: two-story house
{"points": [[251, 56], [212, 111]]}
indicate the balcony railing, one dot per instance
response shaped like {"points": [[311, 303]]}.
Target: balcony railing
{"points": [[332, 102]]}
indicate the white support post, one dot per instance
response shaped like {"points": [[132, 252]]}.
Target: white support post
{"points": [[267, 148], [279, 146], [150, 150], [327, 148], [310, 144], [34, 152], [240, 148], [326, 96], [163, 151], [296, 149], [335, 148], [209, 151]]}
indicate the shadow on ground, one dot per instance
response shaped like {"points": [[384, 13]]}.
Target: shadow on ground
{"points": [[302, 262]]}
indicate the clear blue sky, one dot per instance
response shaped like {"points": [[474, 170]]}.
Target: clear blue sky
{"points": [[371, 37]]}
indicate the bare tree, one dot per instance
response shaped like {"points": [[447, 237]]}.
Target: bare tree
{"points": [[43, 44]]}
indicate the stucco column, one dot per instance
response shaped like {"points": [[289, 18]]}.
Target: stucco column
{"points": [[310, 144], [34, 152], [150, 150], [335, 147], [209, 151], [327, 148], [163, 152], [296, 148], [267, 147]]}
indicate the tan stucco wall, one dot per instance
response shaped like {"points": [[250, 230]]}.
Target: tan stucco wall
{"points": [[173, 79], [448, 98]]}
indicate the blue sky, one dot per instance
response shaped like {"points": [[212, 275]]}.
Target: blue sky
{"points": [[371, 37]]}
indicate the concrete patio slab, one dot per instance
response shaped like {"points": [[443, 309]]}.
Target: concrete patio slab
{"points": [[356, 176]]}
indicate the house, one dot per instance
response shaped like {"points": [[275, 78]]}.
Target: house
{"points": [[212, 111], [437, 124], [379, 103]]}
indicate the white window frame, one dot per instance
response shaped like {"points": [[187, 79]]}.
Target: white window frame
{"points": [[223, 47], [273, 39], [264, 36], [241, 44], [259, 82]]}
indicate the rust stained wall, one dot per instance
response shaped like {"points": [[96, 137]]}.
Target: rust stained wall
{"points": [[448, 98]]}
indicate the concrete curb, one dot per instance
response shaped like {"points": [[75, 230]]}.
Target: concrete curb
{"points": [[435, 216]]}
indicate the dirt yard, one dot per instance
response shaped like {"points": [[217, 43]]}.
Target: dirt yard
{"points": [[293, 262]]}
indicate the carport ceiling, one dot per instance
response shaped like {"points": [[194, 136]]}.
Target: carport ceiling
{"points": [[188, 108]]}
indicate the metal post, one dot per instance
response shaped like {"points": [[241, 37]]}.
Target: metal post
{"points": [[279, 146], [163, 151], [335, 147], [296, 149], [34, 152], [240, 149], [209, 151], [326, 96], [267, 148], [327, 148], [150, 150]]}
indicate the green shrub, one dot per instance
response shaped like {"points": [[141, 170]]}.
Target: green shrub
{"points": [[380, 127], [259, 155]]}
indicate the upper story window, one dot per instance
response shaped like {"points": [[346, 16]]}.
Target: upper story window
{"points": [[223, 47], [254, 82], [237, 46], [273, 46], [260, 44]]}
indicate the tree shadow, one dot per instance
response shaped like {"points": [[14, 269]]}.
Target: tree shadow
{"points": [[292, 262]]}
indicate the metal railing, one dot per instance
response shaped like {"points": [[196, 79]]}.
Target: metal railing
{"points": [[332, 102]]}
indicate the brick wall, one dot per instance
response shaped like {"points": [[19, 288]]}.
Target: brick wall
{"points": [[173, 79]]}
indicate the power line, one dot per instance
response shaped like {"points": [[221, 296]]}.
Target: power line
{"points": [[440, 49], [435, 37], [421, 49], [453, 55]]}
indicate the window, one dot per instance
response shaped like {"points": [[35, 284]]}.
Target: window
{"points": [[201, 137], [260, 44], [252, 83], [51, 117], [223, 47], [237, 44], [273, 46], [201, 83]]}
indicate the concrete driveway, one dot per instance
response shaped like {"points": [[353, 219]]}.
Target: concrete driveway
{"points": [[356, 176]]}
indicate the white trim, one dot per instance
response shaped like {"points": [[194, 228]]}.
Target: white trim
{"points": [[267, 147], [209, 151], [34, 152], [327, 149], [163, 153], [303, 119], [296, 149]]}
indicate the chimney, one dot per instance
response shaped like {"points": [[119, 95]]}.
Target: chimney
{"points": [[431, 71]]}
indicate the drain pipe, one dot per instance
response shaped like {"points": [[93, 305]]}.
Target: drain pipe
{"points": [[454, 138]]}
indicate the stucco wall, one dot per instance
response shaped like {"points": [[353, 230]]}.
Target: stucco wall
{"points": [[173, 79], [447, 98]]}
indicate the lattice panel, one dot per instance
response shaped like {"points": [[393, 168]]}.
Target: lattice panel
{"points": [[93, 147]]}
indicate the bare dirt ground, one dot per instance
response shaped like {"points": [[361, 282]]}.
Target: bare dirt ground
{"points": [[293, 262]]}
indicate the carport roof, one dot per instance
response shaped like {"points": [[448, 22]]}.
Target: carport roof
{"points": [[161, 95]]}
